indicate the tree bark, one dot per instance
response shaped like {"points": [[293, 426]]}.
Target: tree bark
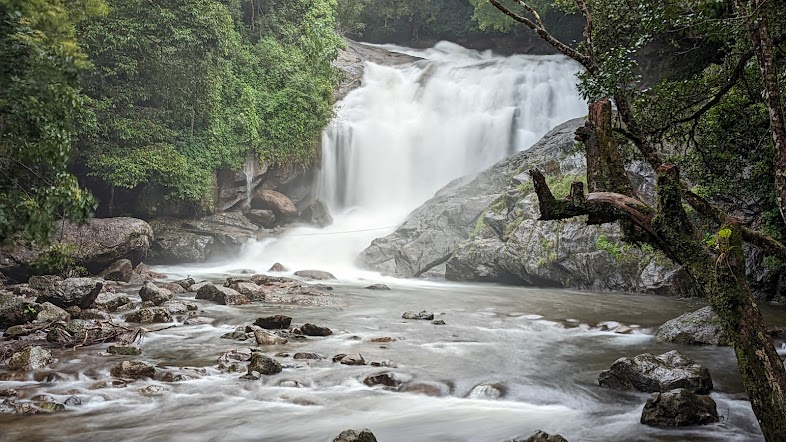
{"points": [[759, 32]]}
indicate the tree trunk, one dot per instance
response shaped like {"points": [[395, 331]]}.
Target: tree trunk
{"points": [[759, 31]]}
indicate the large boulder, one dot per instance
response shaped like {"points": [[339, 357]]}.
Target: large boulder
{"points": [[262, 218], [263, 364], [221, 295], [280, 204], [133, 370], [650, 373], [234, 187], [79, 292], [319, 275], [103, 241], [702, 327], [486, 228], [120, 270], [677, 408], [156, 295], [150, 315], [16, 310]]}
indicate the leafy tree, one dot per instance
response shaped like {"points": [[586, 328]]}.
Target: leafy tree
{"points": [[41, 108], [708, 111]]}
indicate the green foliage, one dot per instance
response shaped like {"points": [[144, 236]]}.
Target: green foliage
{"points": [[58, 259], [613, 249], [186, 87], [40, 108], [560, 184]]}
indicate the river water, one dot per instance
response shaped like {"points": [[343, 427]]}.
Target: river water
{"points": [[509, 360]]}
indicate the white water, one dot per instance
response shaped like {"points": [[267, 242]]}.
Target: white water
{"points": [[407, 132]]}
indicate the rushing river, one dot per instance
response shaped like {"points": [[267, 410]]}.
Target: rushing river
{"points": [[540, 348], [509, 360]]}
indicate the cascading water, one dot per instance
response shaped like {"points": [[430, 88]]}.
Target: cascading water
{"points": [[411, 129]]}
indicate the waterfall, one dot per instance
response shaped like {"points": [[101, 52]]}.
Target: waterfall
{"points": [[411, 129], [249, 170]]}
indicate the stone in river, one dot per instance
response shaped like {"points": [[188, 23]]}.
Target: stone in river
{"points": [[424, 315], [356, 436]]}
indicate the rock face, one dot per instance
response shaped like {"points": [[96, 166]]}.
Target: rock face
{"points": [[80, 292], [678, 408], [317, 214], [653, 374], [702, 327], [356, 436], [351, 61], [486, 228], [179, 241]]}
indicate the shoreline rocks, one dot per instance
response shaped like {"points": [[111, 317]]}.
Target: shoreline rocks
{"points": [[701, 327]]}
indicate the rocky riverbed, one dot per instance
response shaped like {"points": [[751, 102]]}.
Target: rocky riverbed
{"points": [[303, 359]]}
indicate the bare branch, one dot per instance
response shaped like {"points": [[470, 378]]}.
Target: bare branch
{"points": [[587, 28]]}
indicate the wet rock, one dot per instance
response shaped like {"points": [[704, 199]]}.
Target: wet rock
{"points": [[277, 202], [350, 359], [198, 320], [194, 288], [16, 310], [31, 358], [356, 436], [438, 322], [221, 295], [96, 314], [265, 338], [230, 361], [153, 293], [274, 322], [8, 392], [109, 383], [652, 374], [179, 307], [133, 370], [152, 390], [323, 287], [185, 283], [309, 329], [177, 289], [235, 335], [301, 355], [424, 315], [317, 214], [72, 401], [623, 330], [702, 327], [150, 315], [263, 365], [542, 436], [290, 384], [111, 302], [120, 270], [80, 292], [250, 289], [49, 312], [277, 267], [124, 350], [385, 379], [262, 218], [43, 398], [44, 282], [180, 241], [147, 272], [378, 287], [427, 389], [679, 407], [50, 407], [382, 339], [25, 291], [319, 275], [485, 391], [18, 331]]}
